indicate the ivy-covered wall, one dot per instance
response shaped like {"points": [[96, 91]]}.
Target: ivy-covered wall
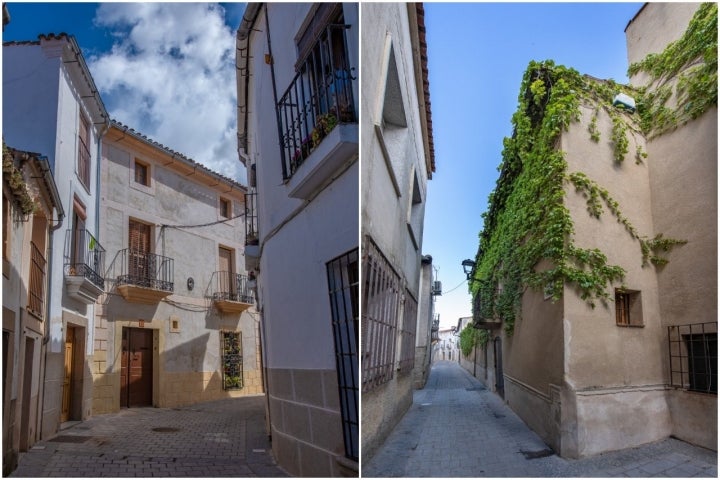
{"points": [[527, 220]]}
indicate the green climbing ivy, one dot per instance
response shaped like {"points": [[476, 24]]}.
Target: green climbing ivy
{"points": [[13, 177], [471, 337], [688, 68]]}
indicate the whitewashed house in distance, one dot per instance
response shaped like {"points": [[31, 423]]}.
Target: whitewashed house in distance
{"points": [[297, 71], [177, 324]]}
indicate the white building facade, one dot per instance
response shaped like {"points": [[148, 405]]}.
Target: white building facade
{"points": [[398, 161], [51, 105], [176, 324], [297, 77]]}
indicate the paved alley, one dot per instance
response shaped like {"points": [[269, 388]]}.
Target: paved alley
{"points": [[225, 438], [457, 428]]}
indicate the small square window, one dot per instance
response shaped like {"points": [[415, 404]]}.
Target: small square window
{"points": [[225, 208], [142, 173], [628, 308]]}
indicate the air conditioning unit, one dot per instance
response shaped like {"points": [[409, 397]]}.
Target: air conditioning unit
{"points": [[437, 287]]}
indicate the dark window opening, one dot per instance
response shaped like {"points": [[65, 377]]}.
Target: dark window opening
{"points": [[343, 282]]}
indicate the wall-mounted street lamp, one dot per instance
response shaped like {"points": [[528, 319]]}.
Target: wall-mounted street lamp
{"points": [[468, 266]]}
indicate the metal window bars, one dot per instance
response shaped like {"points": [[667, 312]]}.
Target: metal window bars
{"points": [[381, 302], [231, 286], [407, 334], [144, 269], [84, 256], [251, 219], [318, 98], [343, 282], [693, 356]]}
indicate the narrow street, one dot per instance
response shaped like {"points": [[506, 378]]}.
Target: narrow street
{"points": [[457, 428], [225, 438]]}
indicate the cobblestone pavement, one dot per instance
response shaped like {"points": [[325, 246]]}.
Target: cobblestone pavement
{"points": [[457, 428], [225, 438]]}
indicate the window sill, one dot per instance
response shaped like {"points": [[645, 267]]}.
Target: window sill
{"points": [[629, 326]]}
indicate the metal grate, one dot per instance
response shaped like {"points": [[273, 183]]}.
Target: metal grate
{"points": [[407, 334], [381, 299], [318, 98], [693, 356], [232, 360], [343, 285]]}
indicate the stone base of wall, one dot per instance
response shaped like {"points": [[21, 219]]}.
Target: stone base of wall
{"points": [[603, 420], [382, 409], [306, 424], [540, 411], [694, 417], [176, 389]]}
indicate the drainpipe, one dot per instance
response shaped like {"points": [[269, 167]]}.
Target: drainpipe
{"points": [[50, 182]]}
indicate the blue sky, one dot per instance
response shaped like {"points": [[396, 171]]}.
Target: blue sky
{"points": [[185, 100], [477, 54]]}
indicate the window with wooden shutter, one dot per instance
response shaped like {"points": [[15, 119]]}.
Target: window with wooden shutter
{"points": [[139, 258], [628, 308], [83, 162]]}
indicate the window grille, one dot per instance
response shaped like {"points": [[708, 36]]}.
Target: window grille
{"points": [[320, 96], [232, 360], [343, 285], [693, 356], [407, 334], [381, 299]]}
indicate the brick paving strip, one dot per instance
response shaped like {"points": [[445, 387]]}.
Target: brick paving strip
{"points": [[457, 428], [225, 438]]}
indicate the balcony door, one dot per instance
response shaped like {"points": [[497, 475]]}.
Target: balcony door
{"points": [[226, 269], [140, 260]]}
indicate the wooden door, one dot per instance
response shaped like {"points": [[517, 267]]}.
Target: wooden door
{"points": [[139, 261], [226, 270], [136, 370], [68, 375]]}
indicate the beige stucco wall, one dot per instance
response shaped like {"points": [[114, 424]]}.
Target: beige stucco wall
{"points": [[624, 363], [683, 181], [533, 363], [656, 25]]}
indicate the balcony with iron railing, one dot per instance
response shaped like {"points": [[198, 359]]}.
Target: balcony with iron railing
{"points": [[36, 292], [231, 292], [316, 115], [84, 266], [251, 219], [143, 277], [483, 309]]}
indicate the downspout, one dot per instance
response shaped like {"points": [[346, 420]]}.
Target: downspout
{"points": [[249, 18], [50, 182]]}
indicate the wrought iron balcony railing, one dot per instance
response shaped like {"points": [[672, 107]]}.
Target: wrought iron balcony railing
{"points": [[36, 291], [144, 269], [318, 98], [84, 257], [251, 219], [232, 287]]}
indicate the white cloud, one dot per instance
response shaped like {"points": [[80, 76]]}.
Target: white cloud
{"points": [[171, 76]]}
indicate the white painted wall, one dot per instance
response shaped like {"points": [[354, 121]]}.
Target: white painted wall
{"points": [[297, 238]]}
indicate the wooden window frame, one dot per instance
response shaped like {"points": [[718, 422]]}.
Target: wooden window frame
{"points": [[84, 158], [628, 308], [147, 181], [222, 202]]}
